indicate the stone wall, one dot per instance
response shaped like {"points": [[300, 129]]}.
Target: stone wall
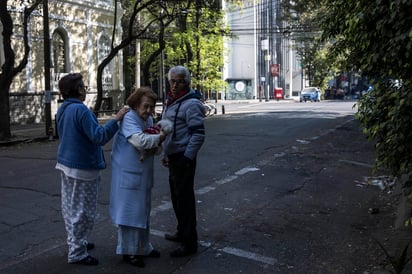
{"points": [[28, 108]]}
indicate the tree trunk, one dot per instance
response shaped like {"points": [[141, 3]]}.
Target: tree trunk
{"points": [[6, 74], [5, 131], [8, 71]]}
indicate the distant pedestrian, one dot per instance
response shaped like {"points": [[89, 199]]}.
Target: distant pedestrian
{"points": [[186, 111], [132, 178], [80, 159]]}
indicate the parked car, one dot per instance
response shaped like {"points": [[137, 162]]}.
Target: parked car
{"points": [[310, 94]]}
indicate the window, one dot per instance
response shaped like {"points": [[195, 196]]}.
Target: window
{"points": [[59, 52], [104, 50]]}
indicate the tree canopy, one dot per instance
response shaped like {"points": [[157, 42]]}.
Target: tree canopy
{"points": [[376, 39], [191, 34]]}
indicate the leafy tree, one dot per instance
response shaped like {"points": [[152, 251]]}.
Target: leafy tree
{"points": [[190, 35], [198, 44], [303, 19], [315, 61], [377, 40], [9, 69], [135, 29], [157, 17]]}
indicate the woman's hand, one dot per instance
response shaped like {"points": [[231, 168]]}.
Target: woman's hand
{"points": [[121, 113]]}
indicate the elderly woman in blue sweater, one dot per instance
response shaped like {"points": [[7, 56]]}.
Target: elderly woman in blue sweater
{"points": [[80, 159]]}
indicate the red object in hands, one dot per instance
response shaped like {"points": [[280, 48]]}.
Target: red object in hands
{"points": [[152, 130]]}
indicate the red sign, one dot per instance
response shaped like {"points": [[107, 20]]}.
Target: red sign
{"points": [[274, 70]]}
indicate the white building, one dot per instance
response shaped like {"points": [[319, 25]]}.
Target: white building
{"points": [[80, 34], [261, 55]]}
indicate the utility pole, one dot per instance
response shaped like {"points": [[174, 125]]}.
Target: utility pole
{"points": [[47, 92]]}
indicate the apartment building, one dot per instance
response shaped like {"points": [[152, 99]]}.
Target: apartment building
{"points": [[261, 52]]}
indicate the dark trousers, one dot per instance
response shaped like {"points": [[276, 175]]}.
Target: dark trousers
{"points": [[181, 182]]}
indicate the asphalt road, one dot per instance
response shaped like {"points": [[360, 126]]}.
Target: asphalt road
{"points": [[270, 183]]}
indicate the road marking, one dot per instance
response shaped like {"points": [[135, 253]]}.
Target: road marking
{"points": [[158, 233], [305, 142], [248, 106], [245, 170], [229, 250], [163, 207], [248, 255], [204, 190], [226, 180], [168, 205]]}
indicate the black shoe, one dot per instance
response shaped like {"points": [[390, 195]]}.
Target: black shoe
{"points": [[173, 237], [183, 251], [134, 260], [89, 260], [90, 246]]}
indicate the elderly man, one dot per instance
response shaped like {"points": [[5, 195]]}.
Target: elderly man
{"points": [[181, 147]]}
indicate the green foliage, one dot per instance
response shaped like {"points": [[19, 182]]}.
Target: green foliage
{"points": [[194, 38], [304, 17], [376, 40], [385, 114], [315, 60], [206, 40]]}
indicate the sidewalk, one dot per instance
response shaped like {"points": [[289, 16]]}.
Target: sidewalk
{"points": [[26, 134]]}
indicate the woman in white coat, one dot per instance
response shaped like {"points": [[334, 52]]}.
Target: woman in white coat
{"points": [[132, 178]]}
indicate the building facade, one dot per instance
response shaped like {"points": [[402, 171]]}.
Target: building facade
{"points": [[80, 37], [262, 55]]}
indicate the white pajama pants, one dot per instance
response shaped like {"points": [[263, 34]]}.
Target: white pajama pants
{"points": [[79, 206]]}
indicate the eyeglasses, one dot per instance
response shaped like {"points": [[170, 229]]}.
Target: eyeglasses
{"points": [[178, 81]]}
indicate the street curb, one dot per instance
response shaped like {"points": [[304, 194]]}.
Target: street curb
{"points": [[23, 140]]}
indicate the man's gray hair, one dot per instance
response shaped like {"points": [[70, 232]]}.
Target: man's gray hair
{"points": [[180, 70]]}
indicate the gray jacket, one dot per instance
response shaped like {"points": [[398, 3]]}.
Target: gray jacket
{"points": [[187, 115]]}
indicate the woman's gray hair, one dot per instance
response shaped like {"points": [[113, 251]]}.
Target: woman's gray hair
{"points": [[180, 70]]}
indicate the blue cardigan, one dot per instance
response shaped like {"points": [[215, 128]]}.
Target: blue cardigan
{"points": [[81, 136]]}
